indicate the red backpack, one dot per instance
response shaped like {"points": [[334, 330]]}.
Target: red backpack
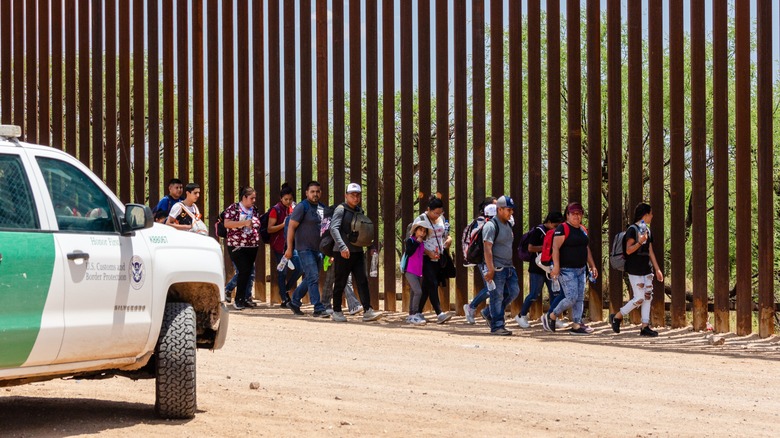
{"points": [[547, 244]]}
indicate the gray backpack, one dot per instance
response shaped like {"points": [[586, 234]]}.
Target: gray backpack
{"points": [[617, 257]]}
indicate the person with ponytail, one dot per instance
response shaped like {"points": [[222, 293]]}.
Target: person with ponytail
{"points": [[641, 266], [243, 238]]}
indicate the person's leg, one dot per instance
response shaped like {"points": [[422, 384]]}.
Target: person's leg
{"points": [[312, 262], [353, 304], [327, 288], [294, 275], [281, 279], [638, 295], [497, 301], [359, 278], [569, 289], [535, 283], [428, 283], [244, 258], [251, 282], [579, 304], [415, 287], [648, 292], [482, 295], [431, 276], [232, 283], [341, 268]]}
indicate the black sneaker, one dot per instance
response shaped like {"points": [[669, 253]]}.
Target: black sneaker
{"points": [[615, 323], [551, 322], [647, 331], [320, 314], [578, 331], [295, 309], [228, 297], [284, 304], [251, 304], [501, 331]]}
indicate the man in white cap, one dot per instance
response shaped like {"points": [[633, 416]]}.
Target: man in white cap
{"points": [[349, 258]]}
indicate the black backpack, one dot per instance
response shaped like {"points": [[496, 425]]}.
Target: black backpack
{"points": [[475, 254], [264, 235], [219, 226]]}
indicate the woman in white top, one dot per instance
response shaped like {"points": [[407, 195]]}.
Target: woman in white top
{"points": [[437, 242]]}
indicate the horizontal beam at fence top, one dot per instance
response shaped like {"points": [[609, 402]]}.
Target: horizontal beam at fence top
{"points": [[217, 142]]}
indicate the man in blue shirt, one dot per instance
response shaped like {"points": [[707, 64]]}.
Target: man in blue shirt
{"points": [[175, 189]]}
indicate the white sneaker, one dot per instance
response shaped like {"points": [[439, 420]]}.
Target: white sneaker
{"points": [[560, 324], [356, 310], [372, 315], [420, 316], [329, 311], [415, 320], [522, 321], [338, 317], [469, 314], [443, 317]]}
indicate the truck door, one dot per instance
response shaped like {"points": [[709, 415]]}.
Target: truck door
{"points": [[31, 281], [108, 296]]}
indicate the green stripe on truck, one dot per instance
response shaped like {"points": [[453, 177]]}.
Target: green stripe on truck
{"points": [[25, 276]]}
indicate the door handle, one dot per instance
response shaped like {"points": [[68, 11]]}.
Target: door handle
{"points": [[78, 255]]}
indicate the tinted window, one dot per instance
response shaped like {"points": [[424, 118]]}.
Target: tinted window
{"points": [[79, 204], [17, 209]]}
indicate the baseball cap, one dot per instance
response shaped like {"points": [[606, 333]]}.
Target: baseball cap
{"points": [[490, 210], [505, 202], [353, 188]]}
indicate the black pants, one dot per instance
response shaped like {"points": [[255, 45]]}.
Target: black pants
{"points": [[430, 285], [244, 258], [355, 264]]}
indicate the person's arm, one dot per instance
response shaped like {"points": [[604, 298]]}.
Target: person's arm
{"points": [[556, 255], [659, 275], [335, 231], [592, 265], [411, 246], [230, 223], [632, 244], [536, 248], [487, 240], [272, 226], [291, 226], [173, 222]]}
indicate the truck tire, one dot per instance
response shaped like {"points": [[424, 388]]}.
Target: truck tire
{"points": [[175, 363]]}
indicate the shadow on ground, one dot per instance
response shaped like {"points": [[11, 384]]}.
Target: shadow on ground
{"points": [[63, 417]]}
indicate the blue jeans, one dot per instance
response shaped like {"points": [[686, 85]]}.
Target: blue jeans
{"points": [[573, 286], [507, 289], [482, 295], [311, 262], [535, 283], [287, 278], [234, 281]]}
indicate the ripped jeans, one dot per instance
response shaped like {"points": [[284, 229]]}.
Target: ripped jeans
{"points": [[642, 286]]}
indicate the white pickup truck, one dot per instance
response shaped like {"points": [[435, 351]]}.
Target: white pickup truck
{"points": [[91, 288]]}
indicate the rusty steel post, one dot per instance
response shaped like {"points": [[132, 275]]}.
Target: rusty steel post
{"points": [[698, 166], [657, 149]]}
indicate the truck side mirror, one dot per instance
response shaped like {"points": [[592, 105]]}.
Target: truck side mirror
{"points": [[137, 217]]}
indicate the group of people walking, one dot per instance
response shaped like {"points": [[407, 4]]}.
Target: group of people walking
{"points": [[295, 233]]}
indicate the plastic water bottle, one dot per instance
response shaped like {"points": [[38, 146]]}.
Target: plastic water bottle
{"points": [[591, 278], [643, 228], [556, 285], [491, 285], [374, 272], [282, 264]]}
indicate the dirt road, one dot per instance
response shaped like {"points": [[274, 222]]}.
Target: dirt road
{"points": [[320, 378]]}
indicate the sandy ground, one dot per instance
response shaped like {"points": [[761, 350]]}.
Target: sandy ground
{"points": [[320, 378]]}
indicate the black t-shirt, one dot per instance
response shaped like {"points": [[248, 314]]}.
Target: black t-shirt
{"points": [[536, 239], [638, 262], [574, 251]]}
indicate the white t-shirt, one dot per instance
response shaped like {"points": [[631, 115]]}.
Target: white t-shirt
{"points": [[437, 237], [176, 210]]}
